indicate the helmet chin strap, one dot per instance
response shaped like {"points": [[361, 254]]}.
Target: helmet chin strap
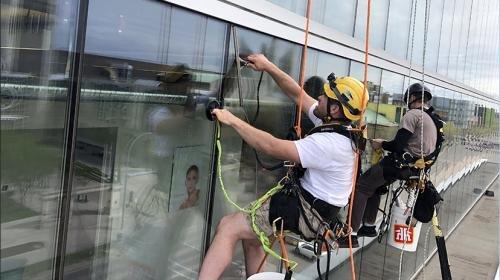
{"points": [[328, 117]]}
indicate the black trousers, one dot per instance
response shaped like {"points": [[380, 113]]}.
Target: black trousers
{"points": [[366, 197]]}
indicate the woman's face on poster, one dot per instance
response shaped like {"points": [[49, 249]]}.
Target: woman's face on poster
{"points": [[191, 180]]}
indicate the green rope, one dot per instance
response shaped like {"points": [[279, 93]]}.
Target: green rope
{"points": [[251, 210]]}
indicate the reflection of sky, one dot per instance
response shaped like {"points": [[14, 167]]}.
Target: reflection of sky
{"points": [[65, 23], [116, 29], [378, 21], [158, 33], [339, 14], [168, 35], [392, 83], [481, 63], [397, 30]]}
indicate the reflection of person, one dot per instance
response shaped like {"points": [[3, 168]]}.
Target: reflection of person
{"points": [[326, 184], [192, 177], [404, 148]]}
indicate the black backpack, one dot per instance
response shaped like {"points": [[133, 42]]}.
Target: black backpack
{"points": [[439, 123], [425, 204]]}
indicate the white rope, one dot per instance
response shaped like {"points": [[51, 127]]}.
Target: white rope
{"points": [[413, 19], [426, 26], [413, 16]]}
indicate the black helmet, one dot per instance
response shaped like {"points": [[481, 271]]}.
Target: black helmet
{"points": [[416, 90]]}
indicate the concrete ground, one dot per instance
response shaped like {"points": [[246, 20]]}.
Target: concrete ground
{"points": [[473, 246]]}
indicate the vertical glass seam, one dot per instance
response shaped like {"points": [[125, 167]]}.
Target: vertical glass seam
{"points": [[71, 124], [214, 164]]}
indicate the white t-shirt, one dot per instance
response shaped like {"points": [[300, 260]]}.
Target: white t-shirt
{"points": [[329, 159]]}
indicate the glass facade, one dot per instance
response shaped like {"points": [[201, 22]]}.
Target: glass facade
{"points": [[107, 159]]}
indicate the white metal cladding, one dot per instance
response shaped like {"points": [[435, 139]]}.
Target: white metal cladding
{"points": [[266, 17]]}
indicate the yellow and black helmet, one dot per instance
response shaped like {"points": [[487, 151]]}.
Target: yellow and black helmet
{"points": [[350, 92]]}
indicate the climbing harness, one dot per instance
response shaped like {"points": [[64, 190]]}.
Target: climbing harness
{"points": [[327, 232]]}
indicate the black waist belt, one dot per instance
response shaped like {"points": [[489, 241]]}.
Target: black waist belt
{"points": [[325, 209]]}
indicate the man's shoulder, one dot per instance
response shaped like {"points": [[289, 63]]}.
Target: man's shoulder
{"points": [[413, 114], [327, 138]]}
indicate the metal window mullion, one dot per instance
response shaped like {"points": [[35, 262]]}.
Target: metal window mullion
{"points": [[467, 41], [215, 153], [387, 23], [71, 125]]}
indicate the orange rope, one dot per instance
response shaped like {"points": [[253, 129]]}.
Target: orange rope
{"points": [[358, 152], [265, 257], [303, 61]]}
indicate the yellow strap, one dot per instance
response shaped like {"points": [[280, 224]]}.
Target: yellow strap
{"points": [[421, 163]]}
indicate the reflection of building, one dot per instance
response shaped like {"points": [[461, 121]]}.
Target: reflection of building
{"points": [[81, 166]]}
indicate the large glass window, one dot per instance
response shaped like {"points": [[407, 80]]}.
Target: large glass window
{"points": [[36, 43], [378, 22], [296, 6], [397, 28], [416, 40], [433, 34], [462, 47], [446, 31], [336, 14], [144, 146], [264, 106], [456, 37], [471, 44]]}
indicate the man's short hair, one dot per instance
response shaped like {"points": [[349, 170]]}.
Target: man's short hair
{"points": [[314, 86]]}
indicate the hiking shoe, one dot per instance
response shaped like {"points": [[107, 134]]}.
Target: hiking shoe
{"points": [[368, 231], [344, 241]]}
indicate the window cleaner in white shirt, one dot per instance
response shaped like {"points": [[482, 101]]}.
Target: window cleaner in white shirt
{"points": [[326, 183]]}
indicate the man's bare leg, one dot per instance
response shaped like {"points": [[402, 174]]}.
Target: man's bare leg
{"points": [[254, 254], [231, 229]]}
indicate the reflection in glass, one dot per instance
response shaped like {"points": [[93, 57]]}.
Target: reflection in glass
{"points": [[378, 22], [416, 52], [267, 108], [456, 37], [446, 34], [143, 166], [433, 34], [336, 14], [36, 42], [296, 6], [397, 28]]}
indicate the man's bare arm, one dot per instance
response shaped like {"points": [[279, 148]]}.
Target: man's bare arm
{"points": [[258, 139]]}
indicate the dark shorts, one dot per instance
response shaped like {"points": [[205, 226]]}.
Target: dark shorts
{"points": [[287, 207]]}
